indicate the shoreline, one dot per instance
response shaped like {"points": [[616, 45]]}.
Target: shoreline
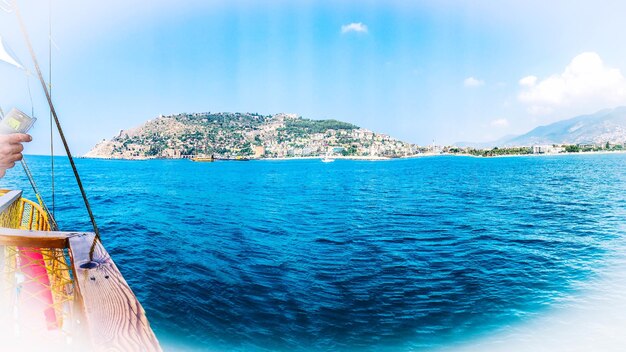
{"points": [[541, 155], [378, 158]]}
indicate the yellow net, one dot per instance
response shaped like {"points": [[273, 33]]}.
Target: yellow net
{"points": [[36, 287]]}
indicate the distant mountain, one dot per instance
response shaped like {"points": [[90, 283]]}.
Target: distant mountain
{"points": [[483, 145], [245, 135], [604, 126], [607, 125]]}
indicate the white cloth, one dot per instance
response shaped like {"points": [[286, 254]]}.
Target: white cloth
{"points": [[5, 55]]}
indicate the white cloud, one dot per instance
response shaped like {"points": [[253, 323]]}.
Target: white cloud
{"points": [[500, 123], [528, 81], [586, 84], [473, 82], [354, 27]]}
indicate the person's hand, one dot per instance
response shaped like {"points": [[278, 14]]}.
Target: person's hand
{"points": [[11, 150]]}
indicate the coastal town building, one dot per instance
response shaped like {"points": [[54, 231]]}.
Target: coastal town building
{"points": [[547, 149], [230, 135]]}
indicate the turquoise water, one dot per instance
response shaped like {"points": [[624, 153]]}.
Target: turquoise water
{"points": [[307, 256]]}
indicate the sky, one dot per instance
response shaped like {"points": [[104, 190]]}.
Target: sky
{"points": [[421, 71]]}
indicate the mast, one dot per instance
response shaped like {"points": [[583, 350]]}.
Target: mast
{"points": [[56, 119]]}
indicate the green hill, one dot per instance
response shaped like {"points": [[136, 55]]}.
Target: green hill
{"points": [[229, 135]]}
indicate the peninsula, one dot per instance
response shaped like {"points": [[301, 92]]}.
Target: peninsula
{"points": [[249, 135]]}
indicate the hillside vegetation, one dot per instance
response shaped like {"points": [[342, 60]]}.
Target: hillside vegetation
{"points": [[250, 135]]}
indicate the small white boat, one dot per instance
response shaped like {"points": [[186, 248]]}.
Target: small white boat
{"points": [[327, 159]]}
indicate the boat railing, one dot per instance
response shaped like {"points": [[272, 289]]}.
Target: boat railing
{"points": [[63, 287]]}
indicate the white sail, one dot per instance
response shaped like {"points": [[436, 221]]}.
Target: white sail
{"points": [[5, 55]]}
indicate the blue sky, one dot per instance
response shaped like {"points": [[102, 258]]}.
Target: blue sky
{"points": [[420, 71]]}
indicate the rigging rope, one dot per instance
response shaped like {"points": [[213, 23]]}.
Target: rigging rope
{"points": [[4, 6], [30, 95], [31, 179], [58, 124], [51, 119]]}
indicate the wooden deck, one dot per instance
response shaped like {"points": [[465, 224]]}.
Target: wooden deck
{"points": [[111, 318]]}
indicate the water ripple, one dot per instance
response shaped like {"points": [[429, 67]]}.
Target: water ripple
{"points": [[305, 256]]}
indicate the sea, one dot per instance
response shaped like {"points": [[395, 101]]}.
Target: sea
{"points": [[440, 253]]}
